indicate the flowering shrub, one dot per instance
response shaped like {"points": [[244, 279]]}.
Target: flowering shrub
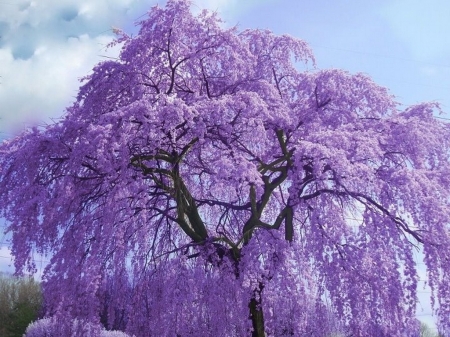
{"points": [[51, 327]]}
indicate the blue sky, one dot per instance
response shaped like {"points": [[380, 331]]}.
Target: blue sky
{"points": [[46, 45]]}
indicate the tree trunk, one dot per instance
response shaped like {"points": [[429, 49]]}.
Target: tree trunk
{"points": [[256, 313]]}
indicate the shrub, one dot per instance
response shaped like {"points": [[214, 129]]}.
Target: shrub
{"points": [[50, 327], [21, 300]]}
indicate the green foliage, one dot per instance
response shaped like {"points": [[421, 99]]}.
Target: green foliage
{"points": [[426, 331], [20, 304]]}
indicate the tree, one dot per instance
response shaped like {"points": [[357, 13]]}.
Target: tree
{"points": [[21, 301], [426, 331], [223, 190]]}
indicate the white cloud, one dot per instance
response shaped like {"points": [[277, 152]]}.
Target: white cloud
{"points": [[45, 46], [42, 85]]}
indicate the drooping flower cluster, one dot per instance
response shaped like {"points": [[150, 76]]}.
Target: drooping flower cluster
{"points": [[202, 184]]}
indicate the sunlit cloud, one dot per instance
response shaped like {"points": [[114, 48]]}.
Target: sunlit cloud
{"points": [[46, 46]]}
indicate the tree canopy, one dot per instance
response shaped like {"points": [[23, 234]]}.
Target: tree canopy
{"points": [[213, 187]]}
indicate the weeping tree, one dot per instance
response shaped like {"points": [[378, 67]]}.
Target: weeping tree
{"points": [[219, 189]]}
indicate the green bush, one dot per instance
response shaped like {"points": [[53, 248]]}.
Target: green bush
{"points": [[20, 304], [426, 331]]}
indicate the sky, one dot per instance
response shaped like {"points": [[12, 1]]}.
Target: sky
{"points": [[47, 45]]}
